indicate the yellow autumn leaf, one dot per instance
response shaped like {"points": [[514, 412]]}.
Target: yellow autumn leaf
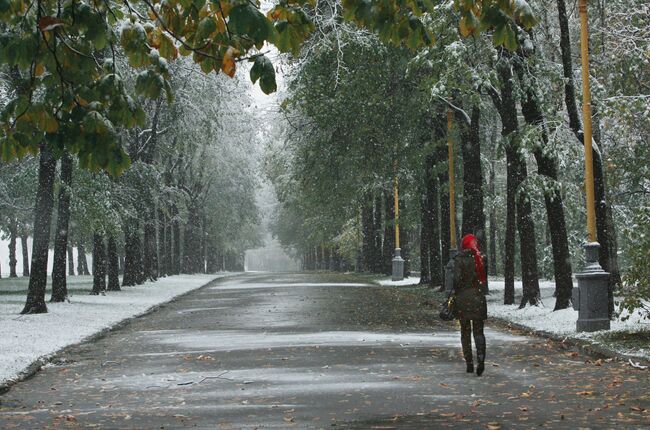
{"points": [[39, 70], [465, 29], [228, 65], [221, 23]]}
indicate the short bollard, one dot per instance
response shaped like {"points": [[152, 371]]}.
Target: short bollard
{"points": [[591, 299], [398, 266]]}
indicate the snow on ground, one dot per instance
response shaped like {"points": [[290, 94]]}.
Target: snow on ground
{"points": [[563, 322], [406, 281], [542, 317], [27, 338]]}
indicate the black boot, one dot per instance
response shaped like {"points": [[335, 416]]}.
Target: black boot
{"points": [[470, 367], [481, 365]]}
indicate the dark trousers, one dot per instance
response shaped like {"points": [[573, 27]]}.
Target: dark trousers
{"points": [[466, 329]]}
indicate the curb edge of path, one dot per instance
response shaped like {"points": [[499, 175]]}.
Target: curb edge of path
{"points": [[35, 366], [582, 344]]}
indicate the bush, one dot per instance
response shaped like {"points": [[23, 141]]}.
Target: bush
{"points": [[636, 280]]}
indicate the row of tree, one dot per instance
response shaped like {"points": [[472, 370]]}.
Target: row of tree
{"points": [[359, 113], [185, 205]]}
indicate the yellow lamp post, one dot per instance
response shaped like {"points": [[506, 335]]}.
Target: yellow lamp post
{"points": [[396, 197], [398, 261], [591, 296]]}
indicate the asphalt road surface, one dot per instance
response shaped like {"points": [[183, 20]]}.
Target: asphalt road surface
{"points": [[319, 351]]}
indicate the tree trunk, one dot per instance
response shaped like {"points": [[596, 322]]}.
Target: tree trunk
{"points": [[23, 244], [99, 265], [528, 250], [35, 302], [176, 233], [473, 215], [435, 260], [425, 237], [405, 243], [70, 259], [388, 246], [547, 166], [162, 245], [13, 235], [367, 227], [82, 262], [377, 232], [445, 230], [507, 109], [113, 265], [492, 254], [150, 259], [59, 285], [133, 270], [169, 248]]}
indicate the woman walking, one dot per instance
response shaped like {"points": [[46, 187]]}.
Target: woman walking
{"points": [[471, 307]]}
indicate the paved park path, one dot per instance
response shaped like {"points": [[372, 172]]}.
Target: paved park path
{"points": [[318, 351]]}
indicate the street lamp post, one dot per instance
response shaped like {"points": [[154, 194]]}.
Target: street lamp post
{"points": [[453, 246], [398, 261], [591, 296]]}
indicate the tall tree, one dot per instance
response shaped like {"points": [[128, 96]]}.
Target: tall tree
{"points": [[13, 233], [23, 244], [35, 302], [59, 285]]}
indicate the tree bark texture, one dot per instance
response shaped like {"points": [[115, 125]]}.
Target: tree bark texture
{"points": [[23, 244], [13, 261], [445, 229], [133, 270], [59, 284], [99, 264], [176, 233], [35, 302], [377, 230], [150, 257], [425, 238], [70, 259], [547, 166], [367, 227], [82, 262], [113, 265]]}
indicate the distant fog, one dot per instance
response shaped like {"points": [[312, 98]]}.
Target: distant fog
{"points": [[271, 258]]}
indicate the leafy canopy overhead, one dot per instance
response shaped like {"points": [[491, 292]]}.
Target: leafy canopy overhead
{"points": [[66, 57]]}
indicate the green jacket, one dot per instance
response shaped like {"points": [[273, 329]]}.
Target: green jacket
{"points": [[468, 293]]}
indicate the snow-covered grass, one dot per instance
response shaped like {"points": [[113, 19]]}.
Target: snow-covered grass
{"points": [[25, 339], [561, 323], [404, 282]]}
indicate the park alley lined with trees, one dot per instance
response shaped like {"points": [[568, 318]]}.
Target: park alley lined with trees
{"points": [[128, 131], [145, 154], [360, 113]]}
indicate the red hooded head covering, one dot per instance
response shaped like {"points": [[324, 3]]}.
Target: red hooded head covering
{"points": [[470, 242]]}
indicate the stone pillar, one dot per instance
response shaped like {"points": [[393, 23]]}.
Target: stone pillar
{"points": [[591, 296], [398, 266]]}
